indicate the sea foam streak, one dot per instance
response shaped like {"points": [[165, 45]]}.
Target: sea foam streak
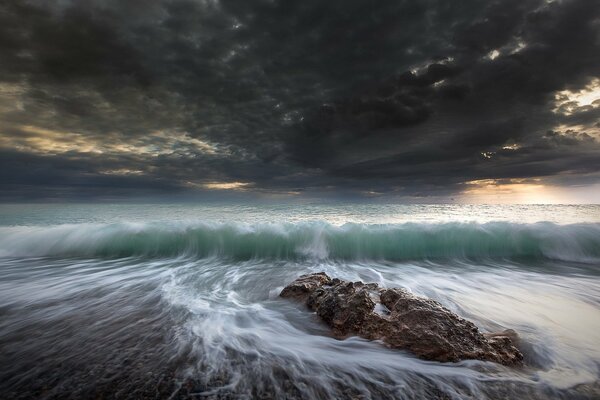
{"points": [[309, 240]]}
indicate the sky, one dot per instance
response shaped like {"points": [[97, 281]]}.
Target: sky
{"points": [[391, 100]]}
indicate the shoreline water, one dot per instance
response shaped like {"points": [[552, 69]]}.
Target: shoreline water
{"points": [[107, 306]]}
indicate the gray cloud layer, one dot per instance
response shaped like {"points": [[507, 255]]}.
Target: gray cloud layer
{"points": [[407, 98]]}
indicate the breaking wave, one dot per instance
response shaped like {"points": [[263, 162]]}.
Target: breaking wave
{"points": [[310, 240]]}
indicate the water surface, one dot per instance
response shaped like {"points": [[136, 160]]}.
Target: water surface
{"points": [[181, 301]]}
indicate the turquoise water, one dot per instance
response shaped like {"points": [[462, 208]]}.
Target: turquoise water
{"points": [[50, 214], [181, 301]]}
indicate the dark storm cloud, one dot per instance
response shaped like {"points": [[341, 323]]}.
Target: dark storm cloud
{"points": [[409, 98]]}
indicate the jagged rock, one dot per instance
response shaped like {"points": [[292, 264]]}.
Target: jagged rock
{"points": [[401, 320], [302, 287]]}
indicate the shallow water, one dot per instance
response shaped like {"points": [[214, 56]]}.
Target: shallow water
{"points": [[145, 301]]}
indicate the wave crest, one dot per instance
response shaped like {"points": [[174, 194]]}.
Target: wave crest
{"points": [[314, 240]]}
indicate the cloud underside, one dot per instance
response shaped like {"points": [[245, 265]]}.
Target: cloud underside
{"points": [[339, 98]]}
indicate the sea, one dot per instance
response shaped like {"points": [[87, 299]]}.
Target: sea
{"points": [[181, 301]]}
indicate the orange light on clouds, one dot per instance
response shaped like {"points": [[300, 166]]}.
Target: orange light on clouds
{"points": [[526, 191], [219, 185], [226, 185], [45, 141]]}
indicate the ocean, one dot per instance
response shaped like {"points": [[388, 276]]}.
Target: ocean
{"points": [[153, 301]]}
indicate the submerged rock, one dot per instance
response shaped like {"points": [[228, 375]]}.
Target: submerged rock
{"points": [[401, 320]]}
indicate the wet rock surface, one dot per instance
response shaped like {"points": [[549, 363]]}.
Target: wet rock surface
{"points": [[401, 320]]}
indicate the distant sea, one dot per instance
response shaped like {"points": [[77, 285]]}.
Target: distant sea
{"points": [[119, 301]]}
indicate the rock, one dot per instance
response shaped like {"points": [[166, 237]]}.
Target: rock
{"points": [[401, 320], [304, 285]]}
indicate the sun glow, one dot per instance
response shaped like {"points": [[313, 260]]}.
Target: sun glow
{"points": [[521, 191]]}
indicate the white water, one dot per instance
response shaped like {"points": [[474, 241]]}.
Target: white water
{"points": [[190, 309]]}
